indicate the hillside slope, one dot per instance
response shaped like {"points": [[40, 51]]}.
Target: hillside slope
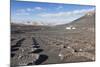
{"points": [[87, 21]]}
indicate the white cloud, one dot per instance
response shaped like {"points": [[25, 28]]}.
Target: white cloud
{"points": [[39, 8], [52, 14], [59, 14], [33, 9], [21, 14], [26, 11], [60, 7], [21, 10], [83, 10], [29, 9]]}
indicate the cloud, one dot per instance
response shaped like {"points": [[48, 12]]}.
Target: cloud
{"points": [[29, 9], [35, 8], [83, 10], [20, 10], [39, 8], [60, 7], [22, 14], [59, 14], [66, 13], [52, 14], [26, 11]]}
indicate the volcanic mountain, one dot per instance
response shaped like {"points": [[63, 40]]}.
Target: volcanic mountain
{"points": [[84, 22]]}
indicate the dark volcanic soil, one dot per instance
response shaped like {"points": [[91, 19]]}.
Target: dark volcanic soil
{"points": [[35, 45]]}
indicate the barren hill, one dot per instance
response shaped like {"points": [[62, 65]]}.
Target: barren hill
{"points": [[86, 21]]}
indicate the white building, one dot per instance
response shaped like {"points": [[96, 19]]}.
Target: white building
{"points": [[70, 28]]}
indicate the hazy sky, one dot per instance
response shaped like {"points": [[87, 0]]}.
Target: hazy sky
{"points": [[48, 13]]}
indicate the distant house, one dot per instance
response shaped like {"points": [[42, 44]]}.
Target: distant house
{"points": [[70, 28], [89, 14]]}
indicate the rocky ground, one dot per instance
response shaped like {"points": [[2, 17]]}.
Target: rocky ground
{"points": [[35, 45]]}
